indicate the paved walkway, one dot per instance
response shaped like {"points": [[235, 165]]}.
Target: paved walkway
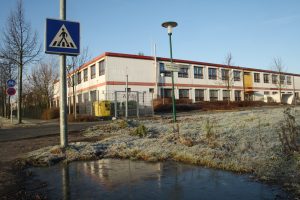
{"points": [[26, 122]]}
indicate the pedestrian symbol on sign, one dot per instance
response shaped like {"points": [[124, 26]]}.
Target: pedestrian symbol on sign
{"points": [[63, 39]]}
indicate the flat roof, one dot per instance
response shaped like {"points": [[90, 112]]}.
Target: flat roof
{"points": [[133, 56]]}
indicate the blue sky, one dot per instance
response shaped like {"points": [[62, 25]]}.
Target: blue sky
{"points": [[254, 31]]}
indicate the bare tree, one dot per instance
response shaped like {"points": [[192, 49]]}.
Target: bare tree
{"points": [[19, 45], [226, 75], [40, 85], [280, 69], [74, 63]]}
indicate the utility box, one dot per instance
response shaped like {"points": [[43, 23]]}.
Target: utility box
{"points": [[102, 108]]}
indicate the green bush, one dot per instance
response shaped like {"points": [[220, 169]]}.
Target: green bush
{"points": [[140, 131]]}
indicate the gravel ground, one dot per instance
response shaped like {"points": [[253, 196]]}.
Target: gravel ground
{"points": [[243, 141]]}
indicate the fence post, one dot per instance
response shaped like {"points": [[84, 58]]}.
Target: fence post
{"points": [[152, 105], [116, 107], [137, 105]]}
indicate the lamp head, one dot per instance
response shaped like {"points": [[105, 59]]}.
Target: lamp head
{"points": [[169, 26]]}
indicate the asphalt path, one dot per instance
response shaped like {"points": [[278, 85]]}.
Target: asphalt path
{"points": [[18, 133]]}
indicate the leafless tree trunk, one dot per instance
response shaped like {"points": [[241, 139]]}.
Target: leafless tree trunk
{"points": [[280, 69], [227, 79], [20, 46], [73, 64]]}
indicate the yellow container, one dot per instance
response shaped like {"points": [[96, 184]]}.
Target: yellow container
{"points": [[102, 108]]}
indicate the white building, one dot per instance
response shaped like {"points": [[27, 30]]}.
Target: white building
{"points": [[99, 78]]}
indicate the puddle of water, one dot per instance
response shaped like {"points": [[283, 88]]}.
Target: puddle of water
{"points": [[126, 179]]}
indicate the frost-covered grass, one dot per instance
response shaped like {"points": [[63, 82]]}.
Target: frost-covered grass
{"points": [[243, 141]]}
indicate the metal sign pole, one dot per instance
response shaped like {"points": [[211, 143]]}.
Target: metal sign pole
{"points": [[295, 103], [63, 88], [126, 105], [11, 113]]}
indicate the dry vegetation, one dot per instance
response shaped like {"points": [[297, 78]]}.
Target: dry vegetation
{"points": [[264, 142]]}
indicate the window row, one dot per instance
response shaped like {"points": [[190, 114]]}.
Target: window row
{"points": [[226, 75], [200, 94], [266, 78], [82, 76], [199, 73]]}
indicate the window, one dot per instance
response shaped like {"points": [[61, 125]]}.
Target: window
{"points": [[226, 95], [86, 97], [212, 73], [166, 93], [213, 95], [79, 97], [237, 95], [129, 89], [85, 74], [199, 94], [93, 71], [236, 75], [274, 79], [162, 70], [266, 92], [101, 68], [225, 74], [198, 72], [282, 79], [93, 95], [151, 90], [183, 93], [274, 92], [266, 78], [183, 72], [288, 80], [79, 77], [256, 78], [297, 95]]}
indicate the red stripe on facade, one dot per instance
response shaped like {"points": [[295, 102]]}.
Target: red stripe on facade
{"points": [[130, 83], [176, 85]]}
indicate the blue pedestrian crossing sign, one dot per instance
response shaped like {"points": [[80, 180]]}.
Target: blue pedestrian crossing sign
{"points": [[62, 37]]}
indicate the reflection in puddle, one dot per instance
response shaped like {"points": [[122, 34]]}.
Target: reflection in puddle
{"points": [[126, 179]]}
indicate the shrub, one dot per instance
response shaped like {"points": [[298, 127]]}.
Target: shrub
{"points": [[209, 129], [82, 118], [50, 113], [140, 131], [123, 124], [289, 133]]}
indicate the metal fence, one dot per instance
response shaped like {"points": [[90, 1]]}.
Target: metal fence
{"points": [[138, 103]]}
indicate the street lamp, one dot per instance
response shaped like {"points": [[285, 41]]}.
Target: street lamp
{"points": [[170, 26]]}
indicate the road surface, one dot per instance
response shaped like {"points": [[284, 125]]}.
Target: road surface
{"points": [[18, 133]]}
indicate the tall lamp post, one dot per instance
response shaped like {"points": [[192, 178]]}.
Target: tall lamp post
{"points": [[170, 26]]}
